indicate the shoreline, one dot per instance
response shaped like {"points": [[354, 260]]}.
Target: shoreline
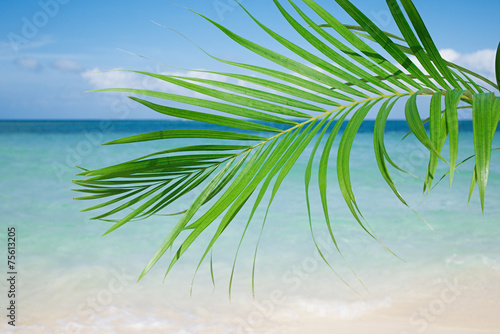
{"points": [[466, 301]]}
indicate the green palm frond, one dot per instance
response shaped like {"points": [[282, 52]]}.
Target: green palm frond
{"points": [[268, 128]]}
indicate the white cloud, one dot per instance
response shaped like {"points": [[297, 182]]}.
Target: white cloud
{"points": [[449, 54], [28, 63], [117, 78], [66, 65], [481, 61]]}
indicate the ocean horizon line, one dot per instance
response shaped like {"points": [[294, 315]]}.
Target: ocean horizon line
{"points": [[111, 125]]}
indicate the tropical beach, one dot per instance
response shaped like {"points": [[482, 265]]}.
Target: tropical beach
{"points": [[250, 167], [74, 281]]}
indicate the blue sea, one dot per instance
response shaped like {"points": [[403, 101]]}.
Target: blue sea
{"points": [[440, 275]]}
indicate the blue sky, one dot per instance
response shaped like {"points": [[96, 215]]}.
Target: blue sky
{"points": [[49, 49]]}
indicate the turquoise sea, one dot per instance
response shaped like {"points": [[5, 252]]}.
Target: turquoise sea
{"points": [[443, 279]]}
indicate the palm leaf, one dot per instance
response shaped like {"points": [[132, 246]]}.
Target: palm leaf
{"points": [[282, 114]]}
